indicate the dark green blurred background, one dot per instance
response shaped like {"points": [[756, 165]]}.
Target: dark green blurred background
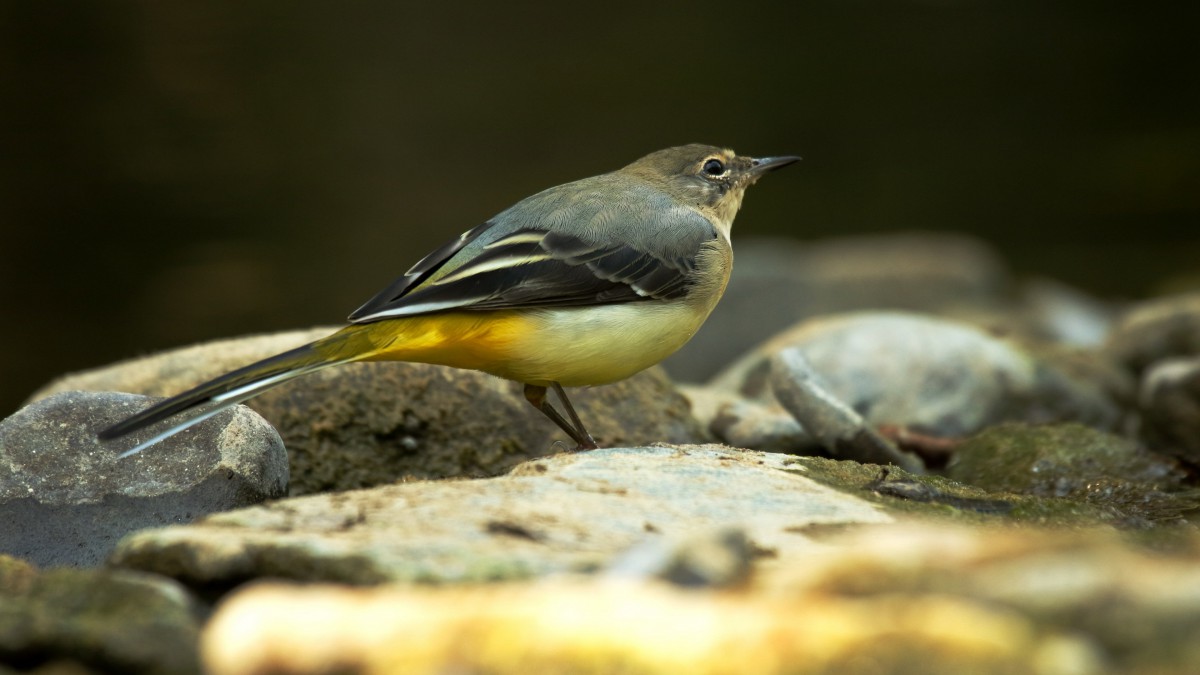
{"points": [[171, 172]]}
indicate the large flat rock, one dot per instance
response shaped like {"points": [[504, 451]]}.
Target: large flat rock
{"points": [[907, 599], [565, 513]]}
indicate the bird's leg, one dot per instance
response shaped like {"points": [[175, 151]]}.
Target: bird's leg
{"points": [[537, 398], [588, 443]]}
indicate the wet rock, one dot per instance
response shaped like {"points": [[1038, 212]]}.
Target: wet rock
{"points": [[1156, 330], [1072, 461], [570, 512], [934, 376], [928, 490], [65, 497], [97, 621], [934, 498], [916, 271], [1170, 404], [365, 424]]}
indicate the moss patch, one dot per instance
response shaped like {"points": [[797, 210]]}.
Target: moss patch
{"points": [[1150, 520]]}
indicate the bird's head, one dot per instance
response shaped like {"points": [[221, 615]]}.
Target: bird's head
{"points": [[706, 177]]}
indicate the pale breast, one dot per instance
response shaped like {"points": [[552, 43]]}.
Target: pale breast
{"points": [[598, 345]]}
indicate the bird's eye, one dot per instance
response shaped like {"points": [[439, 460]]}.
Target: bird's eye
{"points": [[714, 167]]}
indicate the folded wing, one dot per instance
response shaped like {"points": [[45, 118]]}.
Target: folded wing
{"points": [[534, 267]]}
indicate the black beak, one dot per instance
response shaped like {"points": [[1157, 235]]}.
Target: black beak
{"points": [[764, 164]]}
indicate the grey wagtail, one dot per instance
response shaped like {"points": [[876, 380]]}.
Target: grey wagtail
{"points": [[586, 283]]}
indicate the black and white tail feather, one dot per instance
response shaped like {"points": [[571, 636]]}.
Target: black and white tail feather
{"points": [[208, 399]]}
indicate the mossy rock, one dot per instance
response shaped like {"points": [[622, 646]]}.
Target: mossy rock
{"points": [[1075, 462]]}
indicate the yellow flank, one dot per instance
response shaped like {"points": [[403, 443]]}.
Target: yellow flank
{"points": [[469, 340], [572, 346]]}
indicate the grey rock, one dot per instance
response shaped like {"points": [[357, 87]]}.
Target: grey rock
{"points": [[567, 513], [365, 424], [1156, 330], [777, 282], [842, 431], [113, 621], [1059, 313], [938, 375], [931, 375], [768, 427], [66, 499], [1074, 384], [1170, 404]]}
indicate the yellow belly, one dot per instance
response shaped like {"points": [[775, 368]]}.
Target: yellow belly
{"points": [[598, 345], [571, 346]]}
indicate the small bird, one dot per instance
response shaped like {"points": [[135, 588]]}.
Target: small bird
{"points": [[585, 283]]}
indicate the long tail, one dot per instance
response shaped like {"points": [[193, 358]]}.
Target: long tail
{"points": [[198, 404]]}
